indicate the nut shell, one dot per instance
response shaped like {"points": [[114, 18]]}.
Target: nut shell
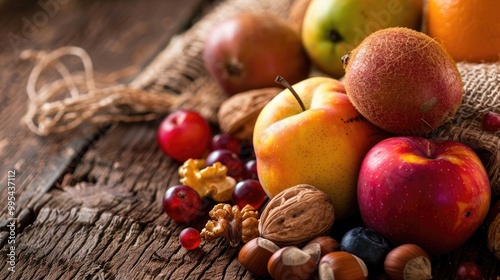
{"points": [[342, 266], [255, 255], [238, 114], [326, 244], [494, 237], [408, 262], [314, 250], [297, 215], [291, 263]]}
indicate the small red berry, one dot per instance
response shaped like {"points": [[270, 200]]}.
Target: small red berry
{"points": [[226, 141], [190, 238], [491, 122], [250, 170], [182, 203], [246, 149], [469, 271], [229, 159], [248, 192]]}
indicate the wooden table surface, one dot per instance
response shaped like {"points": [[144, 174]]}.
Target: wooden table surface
{"points": [[88, 203]]}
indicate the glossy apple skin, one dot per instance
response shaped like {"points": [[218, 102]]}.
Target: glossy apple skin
{"points": [[322, 146], [184, 134], [420, 191], [331, 28]]}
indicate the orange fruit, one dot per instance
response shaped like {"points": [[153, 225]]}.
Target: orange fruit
{"points": [[469, 29]]}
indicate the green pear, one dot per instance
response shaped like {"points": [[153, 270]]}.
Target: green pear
{"points": [[331, 28]]}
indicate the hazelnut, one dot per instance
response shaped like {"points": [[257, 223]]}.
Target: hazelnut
{"points": [[314, 250], [291, 263], [342, 266], [326, 243], [408, 262], [255, 254]]}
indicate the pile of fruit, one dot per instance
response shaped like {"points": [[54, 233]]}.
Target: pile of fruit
{"points": [[325, 150]]}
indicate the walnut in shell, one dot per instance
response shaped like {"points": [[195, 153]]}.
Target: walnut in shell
{"points": [[297, 215], [238, 114]]}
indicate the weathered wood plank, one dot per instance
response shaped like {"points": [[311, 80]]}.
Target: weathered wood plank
{"points": [[116, 34], [125, 174], [83, 243]]}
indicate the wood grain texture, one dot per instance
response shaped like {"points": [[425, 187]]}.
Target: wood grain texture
{"points": [[116, 34]]}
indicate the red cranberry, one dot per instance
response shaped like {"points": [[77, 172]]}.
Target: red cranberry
{"points": [[469, 271], [229, 159], [246, 149], [227, 142], [182, 203], [248, 192], [190, 238], [250, 170]]}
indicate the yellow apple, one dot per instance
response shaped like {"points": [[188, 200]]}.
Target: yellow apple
{"points": [[323, 145]]}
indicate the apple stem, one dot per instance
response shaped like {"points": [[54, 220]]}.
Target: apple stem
{"points": [[280, 80]]}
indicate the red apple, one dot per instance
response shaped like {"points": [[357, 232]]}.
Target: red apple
{"points": [[248, 50], [434, 194], [183, 135]]}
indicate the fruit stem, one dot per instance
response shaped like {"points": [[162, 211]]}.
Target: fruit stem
{"points": [[345, 59], [280, 80]]}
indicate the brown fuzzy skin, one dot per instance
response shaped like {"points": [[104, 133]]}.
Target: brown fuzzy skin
{"points": [[403, 81]]}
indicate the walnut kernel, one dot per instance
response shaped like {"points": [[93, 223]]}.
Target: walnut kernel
{"points": [[232, 223]]}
